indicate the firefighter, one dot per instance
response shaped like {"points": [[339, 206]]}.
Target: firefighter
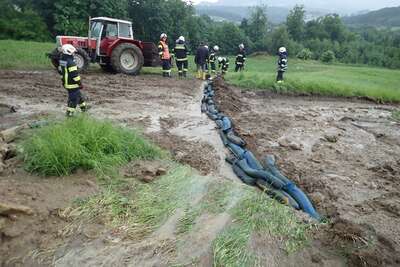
{"points": [[212, 58], [282, 64], [223, 64], [240, 58], [201, 61], [71, 80], [165, 56], [181, 52]]}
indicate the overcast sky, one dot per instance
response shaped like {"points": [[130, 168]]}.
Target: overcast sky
{"points": [[354, 5]]}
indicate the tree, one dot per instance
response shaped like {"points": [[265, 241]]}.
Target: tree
{"points": [[295, 23], [257, 25]]}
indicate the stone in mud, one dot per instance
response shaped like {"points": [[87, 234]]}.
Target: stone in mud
{"points": [[296, 146], [9, 209], [10, 134], [331, 138]]}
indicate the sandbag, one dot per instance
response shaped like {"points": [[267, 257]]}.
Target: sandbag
{"points": [[223, 137], [243, 176], [235, 139]]}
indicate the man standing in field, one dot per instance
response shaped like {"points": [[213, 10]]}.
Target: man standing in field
{"points": [[181, 52], [223, 64], [282, 64], [71, 80], [165, 56], [240, 58], [201, 61]]}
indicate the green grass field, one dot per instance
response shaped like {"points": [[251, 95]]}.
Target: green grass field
{"points": [[310, 77], [322, 79]]}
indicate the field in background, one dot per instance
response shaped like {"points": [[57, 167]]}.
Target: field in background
{"points": [[322, 79], [311, 77]]}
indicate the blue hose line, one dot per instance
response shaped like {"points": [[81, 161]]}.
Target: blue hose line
{"points": [[252, 161], [280, 195], [236, 150], [243, 176], [219, 123], [301, 198], [270, 164], [260, 174]]}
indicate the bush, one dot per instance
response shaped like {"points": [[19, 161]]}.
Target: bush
{"points": [[83, 142], [305, 54], [328, 56]]}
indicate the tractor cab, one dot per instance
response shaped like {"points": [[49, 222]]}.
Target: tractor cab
{"points": [[105, 31]]}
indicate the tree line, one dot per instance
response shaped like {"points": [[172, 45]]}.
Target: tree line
{"points": [[325, 38]]}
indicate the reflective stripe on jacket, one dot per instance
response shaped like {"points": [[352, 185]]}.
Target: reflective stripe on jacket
{"points": [[69, 71], [181, 51], [163, 50]]}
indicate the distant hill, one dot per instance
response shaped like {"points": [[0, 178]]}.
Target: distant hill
{"points": [[386, 17], [276, 15], [237, 13]]}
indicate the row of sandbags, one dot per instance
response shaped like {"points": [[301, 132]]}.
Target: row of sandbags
{"points": [[245, 165]]}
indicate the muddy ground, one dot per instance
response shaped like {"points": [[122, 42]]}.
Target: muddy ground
{"points": [[343, 153]]}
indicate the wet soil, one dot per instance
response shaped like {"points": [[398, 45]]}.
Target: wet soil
{"points": [[344, 154]]}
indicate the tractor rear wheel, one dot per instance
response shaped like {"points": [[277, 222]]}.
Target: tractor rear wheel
{"points": [[127, 58], [81, 59]]}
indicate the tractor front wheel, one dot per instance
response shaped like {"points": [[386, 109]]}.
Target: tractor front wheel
{"points": [[127, 58]]}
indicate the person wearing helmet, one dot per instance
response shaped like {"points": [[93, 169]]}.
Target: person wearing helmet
{"points": [[71, 80], [165, 56], [212, 58], [240, 58], [282, 64], [201, 61], [181, 51], [223, 64]]}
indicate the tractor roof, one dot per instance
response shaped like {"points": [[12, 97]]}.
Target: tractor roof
{"points": [[111, 19]]}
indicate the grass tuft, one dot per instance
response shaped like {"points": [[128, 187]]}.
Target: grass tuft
{"points": [[86, 143], [256, 213]]}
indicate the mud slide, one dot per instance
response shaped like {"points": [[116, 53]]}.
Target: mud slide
{"points": [[343, 154]]}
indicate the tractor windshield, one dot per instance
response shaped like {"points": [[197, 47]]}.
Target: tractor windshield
{"points": [[96, 29]]}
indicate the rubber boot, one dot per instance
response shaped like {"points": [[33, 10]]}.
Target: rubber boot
{"points": [[180, 74], [204, 76], [198, 76], [184, 74], [84, 107], [70, 112]]}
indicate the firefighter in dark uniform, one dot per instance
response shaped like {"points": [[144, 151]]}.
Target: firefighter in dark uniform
{"points": [[201, 61], [71, 80], [165, 56], [223, 64], [181, 51], [240, 58], [213, 58], [282, 64]]}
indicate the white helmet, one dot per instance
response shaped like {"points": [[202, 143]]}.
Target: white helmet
{"points": [[181, 38], [163, 35], [241, 46], [282, 49], [219, 59], [68, 49], [216, 48]]}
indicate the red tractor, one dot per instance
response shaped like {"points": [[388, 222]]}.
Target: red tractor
{"points": [[111, 44]]}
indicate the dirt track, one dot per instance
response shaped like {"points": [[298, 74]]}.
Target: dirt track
{"points": [[344, 154]]}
